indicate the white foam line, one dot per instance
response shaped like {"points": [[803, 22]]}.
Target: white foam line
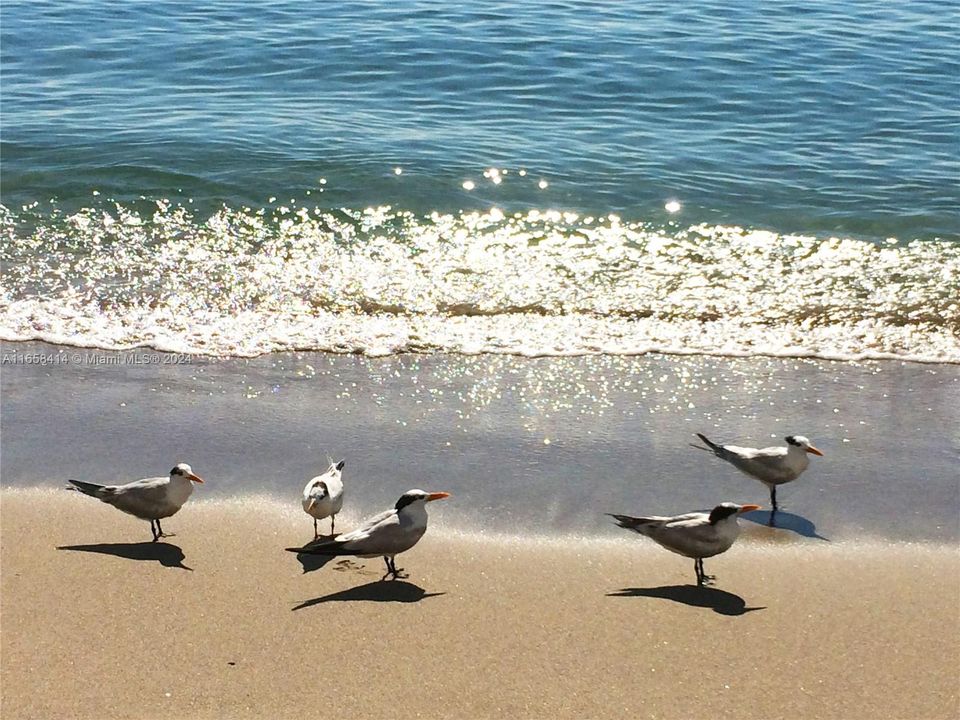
{"points": [[59, 340]]}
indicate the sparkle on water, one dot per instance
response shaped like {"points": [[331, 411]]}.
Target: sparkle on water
{"points": [[381, 281]]}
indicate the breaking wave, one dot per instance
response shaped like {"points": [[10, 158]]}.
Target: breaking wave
{"points": [[242, 282]]}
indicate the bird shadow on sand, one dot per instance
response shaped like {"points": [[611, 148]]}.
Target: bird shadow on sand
{"points": [[720, 601], [166, 554], [310, 562], [379, 591], [781, 520]]}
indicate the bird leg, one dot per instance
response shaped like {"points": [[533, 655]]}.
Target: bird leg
{"points": [[331, 525], [702, 577], [773, 498], [392, 568], [159, 533], [316, 532]]}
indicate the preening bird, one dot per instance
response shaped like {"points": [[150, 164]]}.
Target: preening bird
{"points": [[148, 499], [385, 535], [323, 496], [696, 535], [772, 465]]}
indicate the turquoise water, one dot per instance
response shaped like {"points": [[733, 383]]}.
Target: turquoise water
{"points": [[637, 169]]}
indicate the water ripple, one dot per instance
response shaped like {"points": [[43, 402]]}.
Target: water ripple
{"points": [[818, 119]]}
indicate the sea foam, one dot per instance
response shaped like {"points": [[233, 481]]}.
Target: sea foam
{"points": [[379, 281]]}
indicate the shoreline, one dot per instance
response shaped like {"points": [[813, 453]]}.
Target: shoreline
{"points": [[63, 346], [478, 629]]}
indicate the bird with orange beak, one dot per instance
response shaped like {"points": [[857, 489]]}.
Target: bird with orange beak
{"points": [[385, 535], [696, 535], [772, 466], [148, 499]]}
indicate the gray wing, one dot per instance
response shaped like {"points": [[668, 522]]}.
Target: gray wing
{"points": [[687, 518], [644, 524], [380, 535], [387, 537], [369, 524], [147, 499], [768, 465], [692, 537], [335, 487]]}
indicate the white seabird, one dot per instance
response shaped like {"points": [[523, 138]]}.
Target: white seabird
{"points": [[772, 465], [323, 496], [148, 499], [696, 535], [385, 535]]}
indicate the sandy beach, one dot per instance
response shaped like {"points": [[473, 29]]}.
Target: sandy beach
{"points": [[97, 623]]}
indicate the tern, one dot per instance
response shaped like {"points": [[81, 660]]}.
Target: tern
{"points": [[385, 535], [148, 499], [772, 466], [696, 535], [323, 496]]}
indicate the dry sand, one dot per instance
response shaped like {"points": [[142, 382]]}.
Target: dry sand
{"points": [[483, 627]]}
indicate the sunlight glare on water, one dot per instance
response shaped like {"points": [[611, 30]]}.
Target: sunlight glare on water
{"points": [[380, 281]]}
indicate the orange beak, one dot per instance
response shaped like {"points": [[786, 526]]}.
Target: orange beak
{"points": [[437, 496], [748, 508], [814, 451], [195, 478]]}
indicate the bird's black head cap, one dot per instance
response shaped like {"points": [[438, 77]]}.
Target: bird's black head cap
{"points": [[722, 511], [410, 496], [792, 440]]}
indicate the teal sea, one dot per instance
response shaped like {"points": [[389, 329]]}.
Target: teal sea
{"points": [[556, 178]]}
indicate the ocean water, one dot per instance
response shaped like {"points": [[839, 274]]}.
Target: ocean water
{"points": [[553, 178]]}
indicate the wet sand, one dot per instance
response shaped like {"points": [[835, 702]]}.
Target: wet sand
{"points": [[97, 623], [547, 444]]}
